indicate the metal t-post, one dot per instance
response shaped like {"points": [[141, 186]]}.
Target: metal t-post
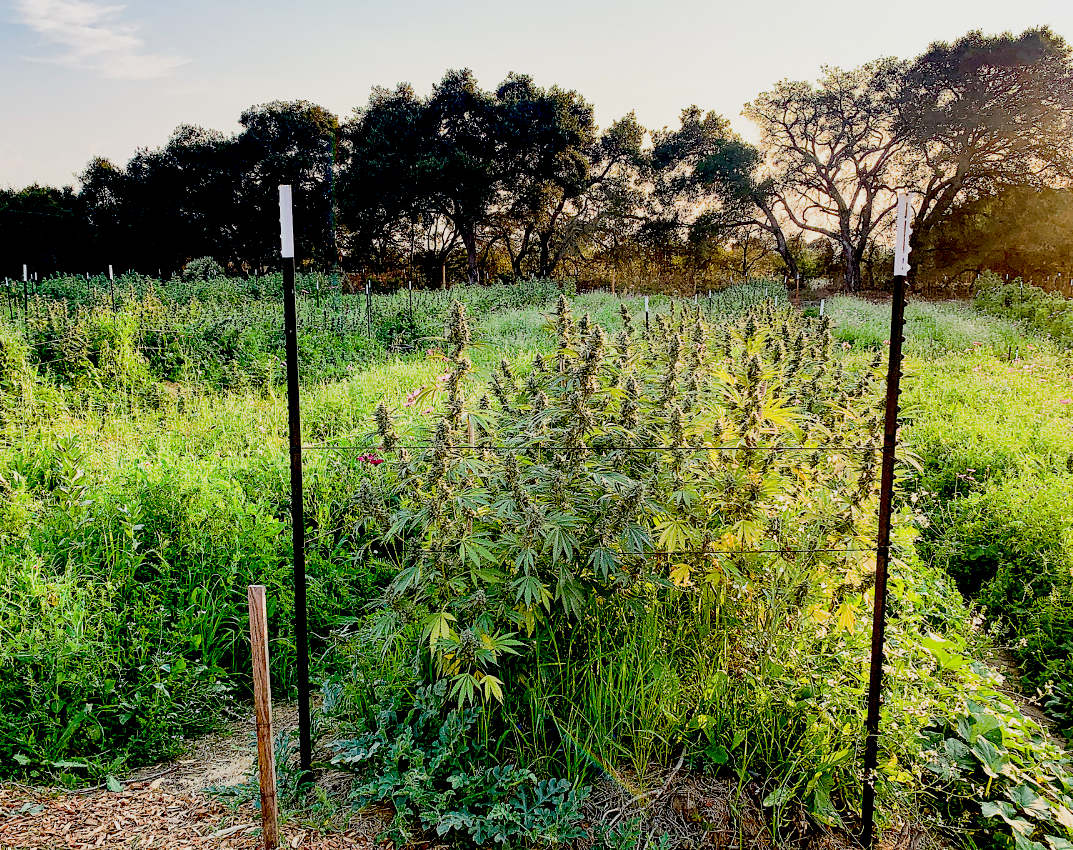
{"points": [[886, 493], [290, 321], [879, 620]]}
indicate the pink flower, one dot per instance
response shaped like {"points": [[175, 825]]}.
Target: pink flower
{"points": [[1064, 401], [376, 461], [427, 411]]}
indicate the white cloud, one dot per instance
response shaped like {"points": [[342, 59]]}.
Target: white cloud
{"points": [[91, 39]]}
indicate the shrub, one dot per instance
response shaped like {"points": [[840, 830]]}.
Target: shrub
{"points": [[203, 268], [1048, 314]]}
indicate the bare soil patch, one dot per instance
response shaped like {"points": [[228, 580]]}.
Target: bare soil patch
{"points": [[166, 806]]}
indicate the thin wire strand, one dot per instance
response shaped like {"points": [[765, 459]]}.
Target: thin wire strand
{"points": [[647, 554]]}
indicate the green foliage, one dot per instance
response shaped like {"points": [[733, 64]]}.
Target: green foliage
{"points": [[931, 330], [227, 333], [1009, 544], [203, 268], [126, 557], [431, 765], [995, 441], [1003, 781], [561, 501], [1048, 314]]}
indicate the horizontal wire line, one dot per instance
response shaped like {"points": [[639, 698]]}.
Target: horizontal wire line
{"points": [[697, 551], [604, 449], [693, 552]]}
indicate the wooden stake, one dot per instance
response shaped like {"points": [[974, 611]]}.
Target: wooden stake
{"points": [[262, 700]]}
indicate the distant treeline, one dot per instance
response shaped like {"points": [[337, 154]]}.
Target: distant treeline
{"points": [[468, 184]]}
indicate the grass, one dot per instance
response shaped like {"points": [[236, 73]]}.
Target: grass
{"points": [[931, 329]]}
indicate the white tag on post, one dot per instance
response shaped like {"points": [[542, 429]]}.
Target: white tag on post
{"points": [[903, 232], [286, 223]]}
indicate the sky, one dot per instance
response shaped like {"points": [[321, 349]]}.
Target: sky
{"points": [[80, 79]]}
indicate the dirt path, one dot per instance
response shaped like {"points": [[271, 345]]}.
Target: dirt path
{"points": [[166, 806]]}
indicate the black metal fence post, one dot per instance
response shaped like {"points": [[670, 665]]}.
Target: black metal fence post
{"points": [[294, 421], [886, 491]]}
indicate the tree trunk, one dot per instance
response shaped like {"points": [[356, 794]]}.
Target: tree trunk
{"points": [[852, 260], [781, 245], [545, 254]]}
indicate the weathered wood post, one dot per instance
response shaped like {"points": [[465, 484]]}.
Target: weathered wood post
{"points": [[262, 703]]}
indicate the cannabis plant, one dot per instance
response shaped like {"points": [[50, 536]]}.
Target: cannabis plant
{"points": [[735, 465]]}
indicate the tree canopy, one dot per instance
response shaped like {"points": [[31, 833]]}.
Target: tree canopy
{"points": [[465, 182]]}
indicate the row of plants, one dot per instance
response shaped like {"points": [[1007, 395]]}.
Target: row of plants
{"points": [[227, 333], [586, 605]]}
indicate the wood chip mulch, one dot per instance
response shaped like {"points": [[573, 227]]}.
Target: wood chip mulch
{"points": [[138, 819]]}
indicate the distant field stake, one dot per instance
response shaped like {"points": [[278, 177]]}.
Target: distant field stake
{"points": [[823, 304], [262, 703], [646, 313], [369, 306]]}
